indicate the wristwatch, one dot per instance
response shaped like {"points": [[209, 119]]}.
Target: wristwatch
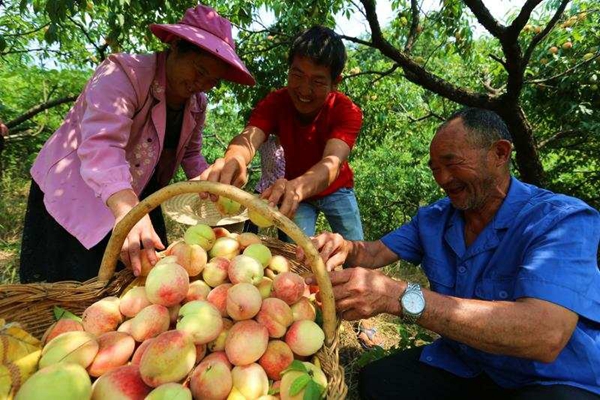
{"points": [[412, 302]]}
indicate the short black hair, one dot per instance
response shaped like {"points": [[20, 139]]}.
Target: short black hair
{"points": [[323, 46], [484, 127]]}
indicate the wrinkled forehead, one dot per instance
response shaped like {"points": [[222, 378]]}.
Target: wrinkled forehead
{"points": [[452, 134]]}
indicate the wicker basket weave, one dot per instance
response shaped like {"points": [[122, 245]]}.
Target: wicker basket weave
{"points": [[32, 304]]}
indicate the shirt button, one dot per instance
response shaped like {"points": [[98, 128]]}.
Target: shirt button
{"points": [[137, 165], [502, 294], [462, 269], [149, 140], [429, 358], [463, 347]]}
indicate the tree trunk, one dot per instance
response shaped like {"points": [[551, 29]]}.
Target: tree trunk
{"points": [[528, 160]]}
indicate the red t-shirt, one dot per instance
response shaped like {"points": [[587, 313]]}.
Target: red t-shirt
{"points": [[303, 145]]}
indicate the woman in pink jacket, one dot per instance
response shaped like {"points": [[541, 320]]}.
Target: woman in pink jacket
{"points": [[136, 121]]}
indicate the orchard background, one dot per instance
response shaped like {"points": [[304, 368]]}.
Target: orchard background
{"points": [[539, 69]]}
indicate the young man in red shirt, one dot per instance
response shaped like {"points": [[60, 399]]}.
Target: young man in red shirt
{"points": [[317, 127]]}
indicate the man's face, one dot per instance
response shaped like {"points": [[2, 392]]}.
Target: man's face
{"points": [[309, 84], [464, 171]]}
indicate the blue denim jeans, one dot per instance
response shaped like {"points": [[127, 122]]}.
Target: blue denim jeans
{"points": [[341, 211]]}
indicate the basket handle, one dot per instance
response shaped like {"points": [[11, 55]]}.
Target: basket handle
{"points": [[314, 261]]}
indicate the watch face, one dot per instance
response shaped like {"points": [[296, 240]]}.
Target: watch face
{"points": [[413, 303]]}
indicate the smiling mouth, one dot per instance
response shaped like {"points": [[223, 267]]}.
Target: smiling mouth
{"points": [[454, 191], [303, 99]]}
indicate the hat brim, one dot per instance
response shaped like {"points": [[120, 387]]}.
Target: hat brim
{"points": [[190, 209], [238, 72]]}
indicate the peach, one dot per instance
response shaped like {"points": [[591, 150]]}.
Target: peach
{"points": [[245, 269], [235, 394], [190, 256], [247, 238], [251, 380], [125, 327], [139, 352], [227, 206], [265, 287], [170, 391], [290, 377], [150, 322], [167, 284], [201, 320], [56, 382], [276, 316], [218, 298], [219, 343], [304, 309], [71, 347], [257, 218], [102, 316], [167, 259], [276, 359], [200, 352], [226, 247], [289, 287], [168, 358], [246, 342], [121, 383], [220, 232], [277, 265], [114, 351], [304, 337], [243, 301], [219, 356], [259, 252], [61, 326], [174, 313], [211, 379], [133, 301], [201, 235], [215, 272], [198, 290]]}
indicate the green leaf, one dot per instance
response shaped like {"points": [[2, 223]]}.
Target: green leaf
{"points": [[313, 391], [296, 366], [273, 391], [60, 313], [299, 384], [2, 43]]}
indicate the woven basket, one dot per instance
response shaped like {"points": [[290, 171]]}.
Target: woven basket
{"points": [[32, 304]]}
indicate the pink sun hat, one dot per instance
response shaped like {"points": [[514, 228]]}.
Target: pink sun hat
{"points": [[206, 29]]}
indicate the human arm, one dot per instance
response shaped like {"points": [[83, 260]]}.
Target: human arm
{"points": [[3, 129], [315, 180], [193, 162], [232, 168]]}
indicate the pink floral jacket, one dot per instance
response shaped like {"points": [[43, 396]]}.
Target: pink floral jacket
{"points": [[111, 140]]}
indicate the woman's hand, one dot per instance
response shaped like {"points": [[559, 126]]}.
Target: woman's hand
{"points": [[230, 170], [331, 246], [142, 236]]}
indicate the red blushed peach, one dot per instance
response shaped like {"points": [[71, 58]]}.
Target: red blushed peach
{"points": [[276, 359], [102, 316], [250, 380], [125, 327], [226, 247], [169, 358], [246, 342], [215, 272], [265, 287], [243, 301], [220, 232], [76, 347], [139, 352], [61, 326], [304, 309], [276, 316], [201, 320], [134, 301], [219, 356], [247, 238], [167, 284], [218, 298], [305, 337], [120, 383], [289, 287], [211, 379], [200, 352], [245, 269], [190, 256], [115, 350], [150, 322], [198, 290]]}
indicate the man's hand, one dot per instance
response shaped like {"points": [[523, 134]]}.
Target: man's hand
{"points": [[363, 293], [331, 246], [142, 237], [230, 170], [288, 194]]}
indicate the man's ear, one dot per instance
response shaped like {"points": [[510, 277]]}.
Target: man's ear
{"points": [[502, 151]]}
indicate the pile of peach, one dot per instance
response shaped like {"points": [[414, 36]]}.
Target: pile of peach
{"points": [[219, 317]]}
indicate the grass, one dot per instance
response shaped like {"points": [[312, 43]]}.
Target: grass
{"points": [[393, 334]]}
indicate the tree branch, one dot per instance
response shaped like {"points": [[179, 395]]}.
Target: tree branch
{"points": [[357, 40], [32, 112], [26, 33], [485, 18], [101, 50], [517, 25], [380, 73], [417, 74], [32, 50], [412, 34], [540, 36], [568, 71], [558, 136]]}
